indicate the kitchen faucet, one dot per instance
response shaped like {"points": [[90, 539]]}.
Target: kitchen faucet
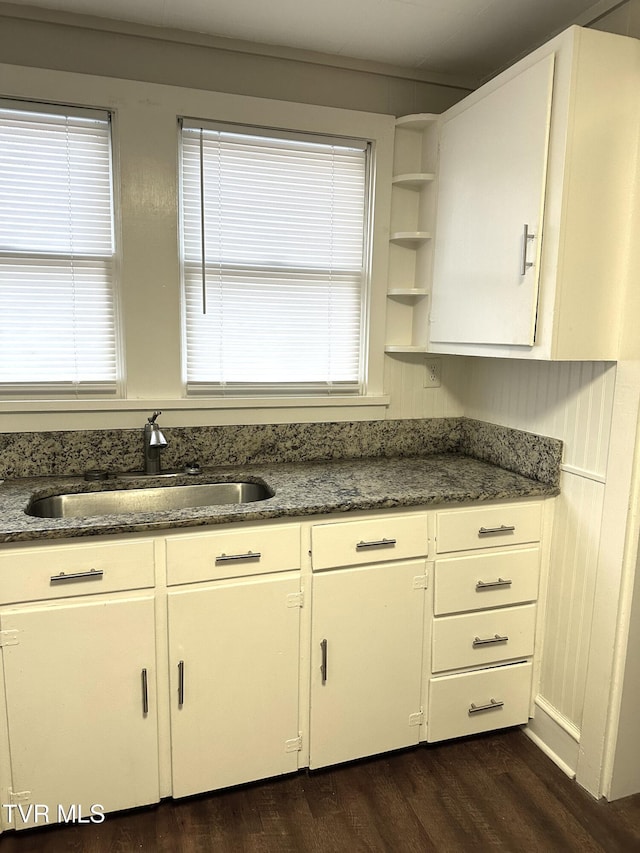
{"points": [[154, 442]]}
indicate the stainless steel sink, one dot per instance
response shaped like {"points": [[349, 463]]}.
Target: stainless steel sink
{"points": [[117, 501]]}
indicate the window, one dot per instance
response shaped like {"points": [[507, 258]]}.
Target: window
{"points": [[57, 311], [274, 242]]}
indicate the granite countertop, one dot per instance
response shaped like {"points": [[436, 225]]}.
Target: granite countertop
{"points": [[300, 489]]}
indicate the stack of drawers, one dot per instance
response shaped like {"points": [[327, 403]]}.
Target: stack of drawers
{"points": [[485, 588]]}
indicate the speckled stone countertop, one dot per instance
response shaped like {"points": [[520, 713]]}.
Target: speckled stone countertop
{"points": [[299, 489]]}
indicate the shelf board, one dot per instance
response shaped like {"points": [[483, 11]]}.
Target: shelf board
{"points": [[407, 291], [412, 239], [413, 180], [404, 348], [417, 121]]}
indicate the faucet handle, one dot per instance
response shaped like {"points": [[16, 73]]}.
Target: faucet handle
{"points": [[153, 417]]}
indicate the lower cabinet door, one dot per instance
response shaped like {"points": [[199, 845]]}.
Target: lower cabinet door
{"points": [[81, 705], [234, 656], [366, 660], [472, 702]]}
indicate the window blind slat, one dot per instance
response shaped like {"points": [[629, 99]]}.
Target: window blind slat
{"points": [[57, 306], [284, 242]]}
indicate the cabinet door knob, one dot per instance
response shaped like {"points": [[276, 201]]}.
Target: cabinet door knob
{"points": [[323, 665]]}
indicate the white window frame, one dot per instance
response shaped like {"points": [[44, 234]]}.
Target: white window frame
{"points": [[145, 155]]}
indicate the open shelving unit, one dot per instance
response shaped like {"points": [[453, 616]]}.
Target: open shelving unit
{"points": [[410, 238]]}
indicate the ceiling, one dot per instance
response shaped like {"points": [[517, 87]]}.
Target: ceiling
{"points": [[472, 38]]}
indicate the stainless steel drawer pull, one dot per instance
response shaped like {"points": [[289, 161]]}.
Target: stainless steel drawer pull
{"points": [[493, 705], [489, 641], [145, 692], [377, 543], [492, 531], [92, 574], [493, 584], [181, 683], [227, 558], [323, 665], [525, 264]]}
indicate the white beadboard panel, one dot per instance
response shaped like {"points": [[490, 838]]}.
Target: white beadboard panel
{"points": [[571, 401], [570, 597], [404, 376]]}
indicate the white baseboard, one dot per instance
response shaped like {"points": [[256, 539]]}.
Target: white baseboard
{"points": [[555, 735]]}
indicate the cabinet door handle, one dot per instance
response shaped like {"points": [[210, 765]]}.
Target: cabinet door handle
{"points": [[493, 584], [145, 692], [489, 641], [492, 705], [493, 531], [63, 577], [323, 665], [227, 558], [377, 543], [525, 264], [181, 683]]}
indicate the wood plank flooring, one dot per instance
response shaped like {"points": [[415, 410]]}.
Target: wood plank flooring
{"points": [[492, 792]]}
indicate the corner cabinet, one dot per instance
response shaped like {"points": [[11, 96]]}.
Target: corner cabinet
{"points": [[535, 208], [411, 233]]}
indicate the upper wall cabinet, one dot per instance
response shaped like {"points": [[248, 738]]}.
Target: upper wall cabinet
{"points": [[536, 205]]}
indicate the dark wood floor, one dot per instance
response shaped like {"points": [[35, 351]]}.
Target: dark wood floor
{"points": [[494, 792]]}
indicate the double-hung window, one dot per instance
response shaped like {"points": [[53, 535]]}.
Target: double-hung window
{"points": [[57, 305], [274, 260]]}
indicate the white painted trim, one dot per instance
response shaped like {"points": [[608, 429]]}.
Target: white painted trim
{"points": [[604, 671], [564, 722], [193, 403], [582, 472], [555, 735]]}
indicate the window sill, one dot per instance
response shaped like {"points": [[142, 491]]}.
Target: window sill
{"points": [[195, 404]]}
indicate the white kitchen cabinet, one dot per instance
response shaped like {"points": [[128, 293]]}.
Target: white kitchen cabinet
{"points": [[366, 660], [234, 658], [535, 215], [484, 625], [80, 681], [293, 642], [492, 175]]}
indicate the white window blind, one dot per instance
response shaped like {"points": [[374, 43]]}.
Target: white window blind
{"points": [[57, 312], [274, 231]]}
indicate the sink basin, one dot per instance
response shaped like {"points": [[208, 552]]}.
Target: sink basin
{"points": [[117, 501]]}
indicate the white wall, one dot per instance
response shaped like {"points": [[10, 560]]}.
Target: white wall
{"points": [[573, 402]]}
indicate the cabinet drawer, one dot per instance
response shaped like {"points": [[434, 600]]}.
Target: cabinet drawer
{"points": [[475, 702], [486, 527], [355, 543], [60, 571], [493, 579], [232, 553], [482, 638]]}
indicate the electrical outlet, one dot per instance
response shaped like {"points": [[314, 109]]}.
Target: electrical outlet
{"points": [[433, 373]]}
